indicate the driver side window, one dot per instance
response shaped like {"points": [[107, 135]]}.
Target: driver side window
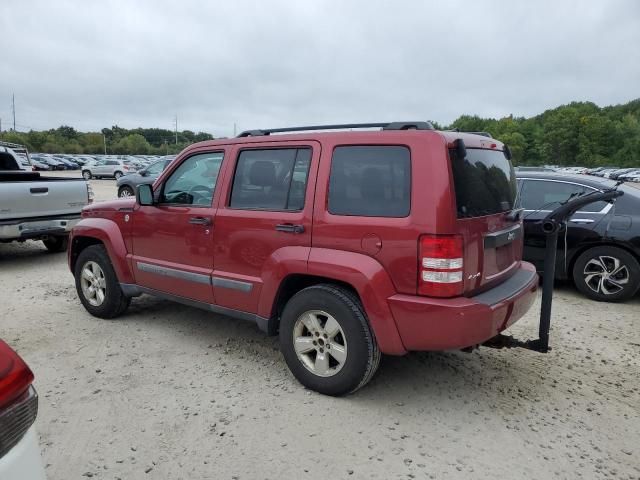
{"points": [[194, 181]]}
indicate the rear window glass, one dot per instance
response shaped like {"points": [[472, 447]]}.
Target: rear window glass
{"points": [[370, 181], [484, 181]]}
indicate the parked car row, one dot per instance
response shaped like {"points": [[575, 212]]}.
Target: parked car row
{"points": [[628, 174]]}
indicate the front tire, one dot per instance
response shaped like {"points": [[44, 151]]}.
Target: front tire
{"points": [[326, 340], [126, 191], [86, 174], [97, 284], [607, 274], [57, 244]]}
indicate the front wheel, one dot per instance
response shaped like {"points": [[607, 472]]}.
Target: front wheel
{"points": [[326, 340], [56, 244], [607, 274], [86, 174], [125, 192], [97, 284]]}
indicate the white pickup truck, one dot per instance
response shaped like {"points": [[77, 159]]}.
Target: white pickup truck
{"points": [[38, 208]]}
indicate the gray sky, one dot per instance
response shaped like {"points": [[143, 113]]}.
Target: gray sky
{"points": [[93, 64]]}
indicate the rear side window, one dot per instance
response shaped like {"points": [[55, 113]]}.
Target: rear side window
{"points": [[271, 179], [485, 182], [370, 181], [546, 195], [7, 162]]}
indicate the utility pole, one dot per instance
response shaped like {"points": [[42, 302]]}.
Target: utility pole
{"points": [[104, 137], [176, 125], [234, 129], [13, 108]]}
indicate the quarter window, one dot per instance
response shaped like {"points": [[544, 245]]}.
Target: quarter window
{"points": [[194, 181], [370, 181], [273, 179]]}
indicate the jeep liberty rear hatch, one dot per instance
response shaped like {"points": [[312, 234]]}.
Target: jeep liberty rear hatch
{"points": [[485, 193]]}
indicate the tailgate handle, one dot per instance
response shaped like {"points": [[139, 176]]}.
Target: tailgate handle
{"points": [[289, 228], [39, 190], [200, 221]]}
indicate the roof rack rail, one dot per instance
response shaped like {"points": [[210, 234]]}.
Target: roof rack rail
{"points": [[383, 126], [484, 134]]}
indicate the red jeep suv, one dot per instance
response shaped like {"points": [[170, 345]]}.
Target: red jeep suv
{"points": [[349, 244]]}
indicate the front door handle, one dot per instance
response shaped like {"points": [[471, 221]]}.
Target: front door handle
{"points": [[289, 228], [582, 220], [200, 221]]}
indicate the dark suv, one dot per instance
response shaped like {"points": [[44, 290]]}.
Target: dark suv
{"points": [[348, 244]]}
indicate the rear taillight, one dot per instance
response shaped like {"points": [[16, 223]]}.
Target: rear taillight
{"points": [[18, 400], [15, 376], [90, 194], [440, 265]]}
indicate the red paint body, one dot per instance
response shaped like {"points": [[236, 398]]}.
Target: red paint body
{"points": [[376, 256]]}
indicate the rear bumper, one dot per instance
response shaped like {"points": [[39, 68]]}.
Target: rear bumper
{"points": [[37, 227], [23, 461], [449, 324]]}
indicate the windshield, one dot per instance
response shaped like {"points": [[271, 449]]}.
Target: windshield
{"points": [[484, 181]]}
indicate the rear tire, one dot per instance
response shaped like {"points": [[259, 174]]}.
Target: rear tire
{"points": [[117, 175], [326, 340], [94, 274], [86, 174], [56, 244], [126, 191], [607, 274]]}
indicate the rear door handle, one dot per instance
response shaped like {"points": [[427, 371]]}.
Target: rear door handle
{"points": [[289, 228], [39, 190], [200, 221], [582, 220]]}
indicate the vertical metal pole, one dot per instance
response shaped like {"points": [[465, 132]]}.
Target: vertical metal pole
{"points": [[176, 129], [13, 107], [547, 289], [104, 137]]}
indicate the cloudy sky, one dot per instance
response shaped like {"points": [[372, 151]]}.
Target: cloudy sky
{"points": [[91, 64]]}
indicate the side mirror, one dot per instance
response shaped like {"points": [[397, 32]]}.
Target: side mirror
{"points": [[144, 195]]}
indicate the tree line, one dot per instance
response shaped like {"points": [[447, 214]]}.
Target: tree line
{"points": [[115, 140], [580, 133]]}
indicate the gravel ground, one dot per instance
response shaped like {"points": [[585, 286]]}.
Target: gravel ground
{"points": [[168, 391]]}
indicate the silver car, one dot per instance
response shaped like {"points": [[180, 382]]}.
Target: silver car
{"points": [[106, 168]]}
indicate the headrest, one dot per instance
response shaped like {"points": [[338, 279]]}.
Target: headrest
{"points": [[263, 174]]}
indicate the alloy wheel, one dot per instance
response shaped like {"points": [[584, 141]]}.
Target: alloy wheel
{"points": [[93, 283], [606, 275], [320, 343]]}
